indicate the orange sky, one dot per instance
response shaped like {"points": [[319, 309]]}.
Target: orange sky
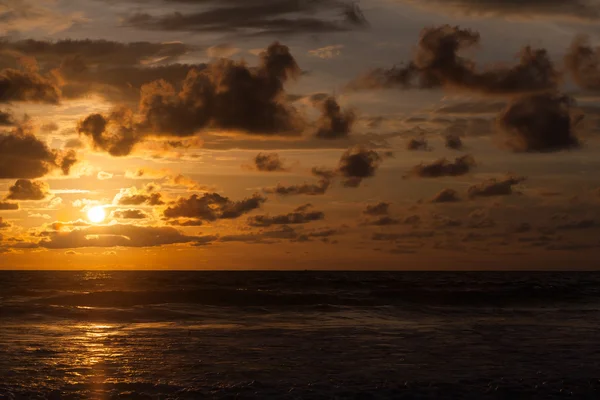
{"points": [[397, 135]]}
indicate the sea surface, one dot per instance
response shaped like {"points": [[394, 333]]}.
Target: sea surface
{"points": [[299, 335]]}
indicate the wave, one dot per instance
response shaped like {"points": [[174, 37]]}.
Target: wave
{"points": [[504, 296]]}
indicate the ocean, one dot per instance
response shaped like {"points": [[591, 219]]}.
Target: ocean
{"points": [[299, 335]]}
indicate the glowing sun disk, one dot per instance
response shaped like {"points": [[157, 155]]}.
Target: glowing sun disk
{"points": [[96, 214]]}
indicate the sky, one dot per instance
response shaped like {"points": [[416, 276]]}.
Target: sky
{"points": [[299, 134]]}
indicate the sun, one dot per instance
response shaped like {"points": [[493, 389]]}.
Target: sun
{"points": [[96, 214]]}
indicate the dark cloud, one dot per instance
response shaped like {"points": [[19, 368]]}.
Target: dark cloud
{"points": [[263, 236], [402, 235], [436, 63], [27, 86], [211, 207], [453, 142], [73, 144], [495, 187], [6, 119], [186, 222], [136, 197], [446, 196], [464, 127], [540, 123], [97, 53], [256, 17], [115, 235], [6, 206], [309, 189], [24, 189], [412, 220], [112, 69], [384, 220], [583, 10], [446, 222], [226, 95], [382, 208], [358, 163], [419, 143], [66, 160], [522, 227], [151, 199], [300, 215], [119, 142], [269, 162], [583, 63], [471, 108], [4, 224], [117, 84], [49, 127], [576, 225], [334, 123], [483, 223], [443, 167], [129, 214], [22, 155]]}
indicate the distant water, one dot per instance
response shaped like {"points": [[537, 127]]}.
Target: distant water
{"points": [[299, 335]]}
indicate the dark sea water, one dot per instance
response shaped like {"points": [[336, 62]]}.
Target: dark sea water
{"points": [[299, 335]]}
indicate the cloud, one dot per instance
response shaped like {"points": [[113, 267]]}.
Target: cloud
{"points": [[73, 144], [471, 108], [300, 215], [327, 52], [442, 167], [97, 53], [420, 143], [577, 225], [539, 123], [494, 187], [67, 225], [6, 206], [263, 236], [453, 142], [102, 175], [24, 189], [269, 162], [211, 207], [4, 224], [6, 119], [129, 214], [262, 17], [358, 163], [116, 83], [437, 63], [385, 220], [446, 196], [582, 10], [309, 189], [114, 70], [115, 235], [171, 177], [382, 208], [402, 235], [226, 95], [22, 155], [583, 63], [26, 15], [27, 86], [49, 127], [135, 197], [334, 123]]}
